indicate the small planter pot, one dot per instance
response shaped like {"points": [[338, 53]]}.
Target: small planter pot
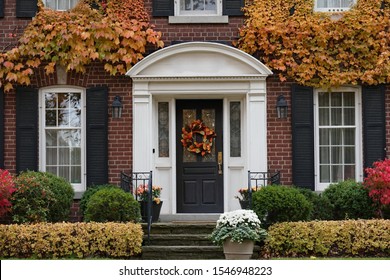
{"points": [[244, 204], [238, 251], [156, 208]]}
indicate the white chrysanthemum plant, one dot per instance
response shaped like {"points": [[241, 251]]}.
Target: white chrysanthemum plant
{"points": [[238, 225]]}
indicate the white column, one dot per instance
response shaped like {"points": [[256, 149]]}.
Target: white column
{"points": [[142, 128], [257, 127]]}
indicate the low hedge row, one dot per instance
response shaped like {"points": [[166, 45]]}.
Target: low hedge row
{"points": [[70, 240], [349, 238]]}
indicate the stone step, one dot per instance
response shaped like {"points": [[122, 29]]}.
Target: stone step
{"points": [[179, 239], [182, 252], [180, 228]]}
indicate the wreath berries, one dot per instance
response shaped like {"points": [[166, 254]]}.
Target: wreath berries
{"points": [[189, 133]]}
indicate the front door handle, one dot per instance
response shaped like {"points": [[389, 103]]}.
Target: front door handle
{"points": [[220, 160]]}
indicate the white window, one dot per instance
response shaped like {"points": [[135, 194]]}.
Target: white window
{"points": [[333, 5], [62, 150], [198, 7], [60, 5], [338, 136], [198, 11]]}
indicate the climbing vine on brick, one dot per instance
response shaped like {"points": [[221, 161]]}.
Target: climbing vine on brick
{"points": [[116, 32], [320, 49]]}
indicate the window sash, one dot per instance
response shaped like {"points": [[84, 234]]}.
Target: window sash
{"points": [[333, 5], [198, 8], [338, 150], [61, 5], [62, 149]]}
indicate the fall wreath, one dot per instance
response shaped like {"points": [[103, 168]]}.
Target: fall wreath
{"points": [[189, 133]]}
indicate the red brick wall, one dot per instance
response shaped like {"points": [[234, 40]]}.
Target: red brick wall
{"points": [[195, 32], [120, 130], [10, 25], [279, 130]]}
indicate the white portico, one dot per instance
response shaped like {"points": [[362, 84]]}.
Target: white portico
{"points": [[199, 72]]}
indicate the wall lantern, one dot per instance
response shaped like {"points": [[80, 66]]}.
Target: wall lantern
{"points": [[281, 107], [117, 107]]}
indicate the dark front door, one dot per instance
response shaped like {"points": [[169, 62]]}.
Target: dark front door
{"points": [[199, 177]]}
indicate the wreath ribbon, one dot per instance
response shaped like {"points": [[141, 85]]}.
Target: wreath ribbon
{"points": [[189, 133]]}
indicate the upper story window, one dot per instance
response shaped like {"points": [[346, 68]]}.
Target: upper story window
{"points": [[197, 11], [60, 5], [198, 7], [333, 5]]}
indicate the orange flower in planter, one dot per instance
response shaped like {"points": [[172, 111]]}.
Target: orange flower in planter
{"points": [[245, 194], [142, 193]]}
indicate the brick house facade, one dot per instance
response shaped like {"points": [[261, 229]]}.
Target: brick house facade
{"points": [[283, 138]]}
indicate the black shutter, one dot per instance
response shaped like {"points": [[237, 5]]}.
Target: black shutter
{"points": [[374, 124], [233, 7], [302, 136], [163, 8], [26, 8], [1, 128], [26, 129], [97, 136], [1, 8]]}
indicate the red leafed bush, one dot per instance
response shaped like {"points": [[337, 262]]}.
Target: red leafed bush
{"points": [[378, 182], [7, 187]]}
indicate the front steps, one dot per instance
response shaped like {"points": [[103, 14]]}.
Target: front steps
{"points": [[180, 241]]}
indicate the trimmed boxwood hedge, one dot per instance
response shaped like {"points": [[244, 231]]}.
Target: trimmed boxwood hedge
{"points": [[349, 238], [90, 191], [274, 204], [70, 240], [112, 205], [41, 197], [350, 200]]}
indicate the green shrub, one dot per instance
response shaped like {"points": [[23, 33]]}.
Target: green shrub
{"points": [[350, 200], [40, 197], [274, 204], [322, 208], [32, 198], [89, 192], [348, 238], [112, 204], [70, 240], [63, 192]]}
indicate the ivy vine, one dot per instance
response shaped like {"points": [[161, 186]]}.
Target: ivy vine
{"points": [[320, 49], [116, 32]]}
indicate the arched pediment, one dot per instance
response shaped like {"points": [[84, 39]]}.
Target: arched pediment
{"points": [[199, 59]]}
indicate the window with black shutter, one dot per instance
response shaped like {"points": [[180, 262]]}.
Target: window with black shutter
{"points": [[233, 7], [192, 8], [26, 129], [302, 136], [1, 128], [374, 124], [1, 8], [97, 136], [26, 8]]}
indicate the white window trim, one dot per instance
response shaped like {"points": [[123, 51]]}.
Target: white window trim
{"points": [[81, 187], [68, 3], [332, 9], [358, 135], [198, 16]]}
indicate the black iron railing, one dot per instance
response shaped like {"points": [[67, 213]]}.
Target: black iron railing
{"points": [[257, 180], [130, 183]]}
